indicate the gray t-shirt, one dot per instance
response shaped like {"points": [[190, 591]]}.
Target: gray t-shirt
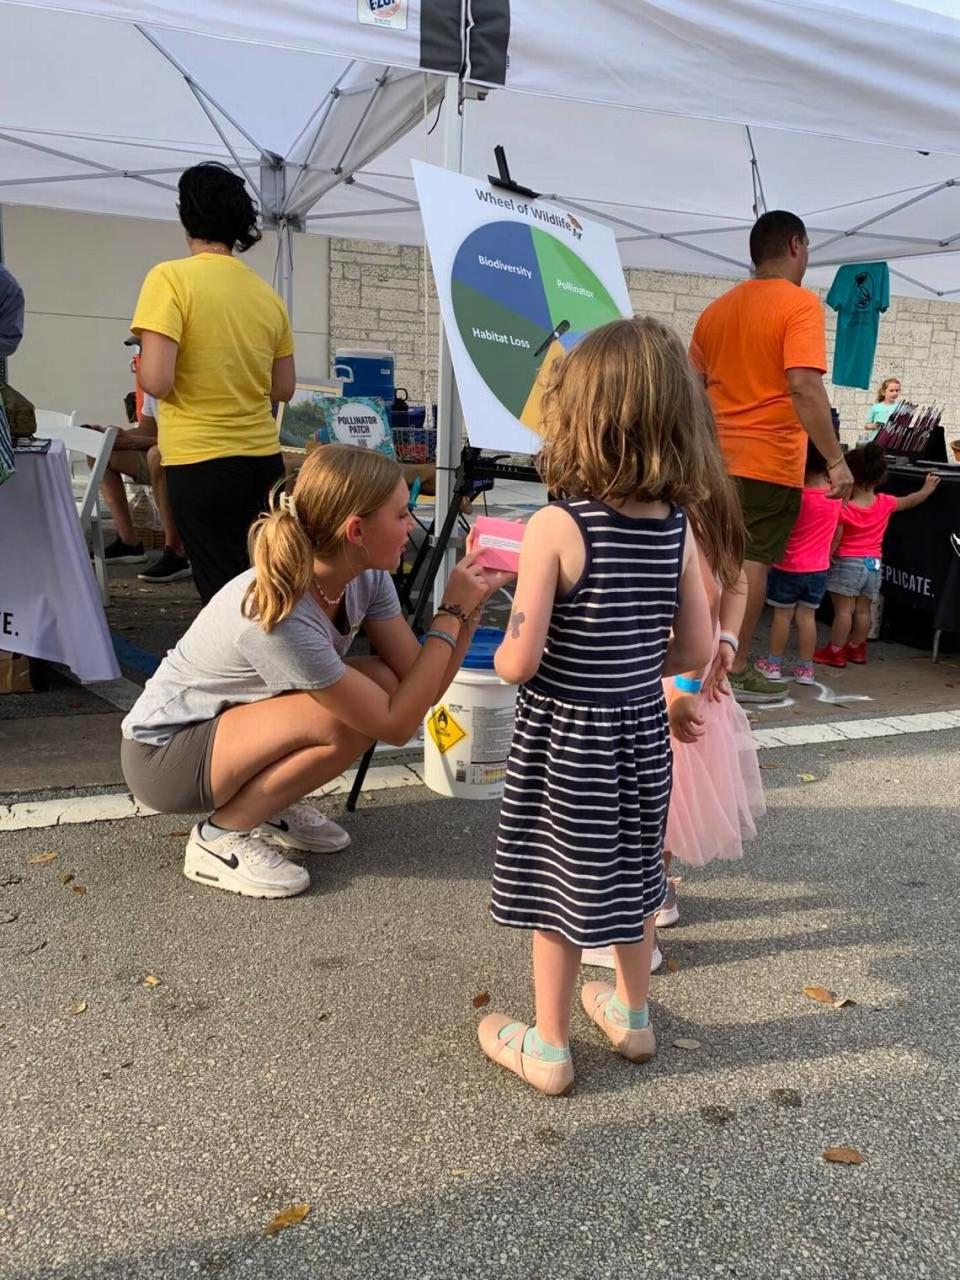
{"points": [[225, 659]]}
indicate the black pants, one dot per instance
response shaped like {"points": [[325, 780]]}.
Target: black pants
{"points": [[214, 504]]}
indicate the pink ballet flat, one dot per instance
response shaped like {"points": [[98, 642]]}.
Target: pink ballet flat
{"points": [[638, 1045], [553, 1078]]}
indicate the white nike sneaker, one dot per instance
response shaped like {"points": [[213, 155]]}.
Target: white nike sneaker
{"points": [[243, 862], [305, 828], [602, 958]]}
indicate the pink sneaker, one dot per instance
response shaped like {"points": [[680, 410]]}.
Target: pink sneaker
{"points": [[769, 669], [803, 673]]}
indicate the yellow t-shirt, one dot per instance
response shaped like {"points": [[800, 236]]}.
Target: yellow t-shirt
{"points": [[230, 327]]}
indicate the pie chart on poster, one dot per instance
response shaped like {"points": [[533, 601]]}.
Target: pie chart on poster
{"points": [[522, 298]]}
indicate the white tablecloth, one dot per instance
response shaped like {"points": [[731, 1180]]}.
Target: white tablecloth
{"points": [[50, 606]]}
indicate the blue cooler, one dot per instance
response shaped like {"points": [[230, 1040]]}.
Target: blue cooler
{"points": [[366, 372]]}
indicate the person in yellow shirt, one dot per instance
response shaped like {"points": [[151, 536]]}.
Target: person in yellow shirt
{"points": [[216, 350]]}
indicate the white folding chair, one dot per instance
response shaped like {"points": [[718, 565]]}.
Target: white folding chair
{"points": [[84, 443]]}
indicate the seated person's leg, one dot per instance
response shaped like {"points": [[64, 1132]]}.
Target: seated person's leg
{"points": [[173, 564], [125, 549]]}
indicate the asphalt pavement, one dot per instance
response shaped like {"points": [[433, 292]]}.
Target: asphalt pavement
{"points": [[178, 1066]]}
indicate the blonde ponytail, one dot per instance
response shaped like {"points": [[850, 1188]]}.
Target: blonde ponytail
{"points": [[336, 482], [282, 558]]}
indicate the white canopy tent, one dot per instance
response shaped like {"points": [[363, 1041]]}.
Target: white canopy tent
{"points": [[673, 120]]}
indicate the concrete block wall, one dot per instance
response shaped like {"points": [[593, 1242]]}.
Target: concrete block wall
{"points": [[377, 295]]}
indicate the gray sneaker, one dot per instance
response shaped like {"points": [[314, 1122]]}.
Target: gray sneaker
{"points": [[669, 912], [750, 685]]}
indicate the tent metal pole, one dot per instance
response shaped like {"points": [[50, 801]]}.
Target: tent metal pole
{"points": [[638, 226], [390, 195], [333, 96], [103, 170], [380, 83], [197, 89], [887, 213], [285, 254], [759, 199], [449, 411]]}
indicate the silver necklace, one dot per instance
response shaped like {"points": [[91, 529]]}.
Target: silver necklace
{"points": [[326, 599]]}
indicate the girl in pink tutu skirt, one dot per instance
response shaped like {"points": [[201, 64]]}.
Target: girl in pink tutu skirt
{"points": [[717, 793]]}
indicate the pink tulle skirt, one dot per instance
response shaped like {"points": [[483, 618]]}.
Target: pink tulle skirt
{"points": [[717, 791]]}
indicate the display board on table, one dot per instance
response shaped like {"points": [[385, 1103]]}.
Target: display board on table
{"points": [[319, 414], [520, 281]]}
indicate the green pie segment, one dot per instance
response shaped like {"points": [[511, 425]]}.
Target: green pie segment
{"points": [[500, 343], [573, 291]]}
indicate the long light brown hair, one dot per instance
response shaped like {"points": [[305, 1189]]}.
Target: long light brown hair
{"points": [[620, 417], [883, 388], [337, 481]]}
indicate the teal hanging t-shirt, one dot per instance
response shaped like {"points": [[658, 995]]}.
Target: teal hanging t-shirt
{"points": [[860, 291]]}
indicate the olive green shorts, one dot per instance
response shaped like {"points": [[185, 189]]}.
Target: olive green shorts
{"points": [[769, 512]]}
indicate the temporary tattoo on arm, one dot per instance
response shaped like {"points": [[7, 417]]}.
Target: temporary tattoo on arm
{"points": [[516, 621]]}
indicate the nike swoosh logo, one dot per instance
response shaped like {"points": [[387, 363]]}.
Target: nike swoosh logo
{"points": [[232, 862]]}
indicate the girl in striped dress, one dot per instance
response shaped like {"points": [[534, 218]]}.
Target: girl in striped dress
{"points": [[609, 598]]}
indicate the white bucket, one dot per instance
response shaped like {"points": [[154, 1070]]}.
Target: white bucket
{"points": [[467, 736]]}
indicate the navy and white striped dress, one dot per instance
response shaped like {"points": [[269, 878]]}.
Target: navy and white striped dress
{"points": [[580, 844]]}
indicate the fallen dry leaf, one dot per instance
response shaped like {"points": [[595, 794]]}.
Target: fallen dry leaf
{"points": [[683, 1043], [843, 1155], [65, 877], [176, 835], [79, 888], [823, 995], [81, 1007], [807, 777], [41, 859], [151, 981], [459, 1173], [769, 766], [671, 965], [481, 999], [287, 1218]]}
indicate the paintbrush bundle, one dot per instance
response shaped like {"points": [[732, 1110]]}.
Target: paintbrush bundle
{"points": [[910, 430]]}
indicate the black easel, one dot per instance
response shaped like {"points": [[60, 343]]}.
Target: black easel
{"points": [[475, 475]]}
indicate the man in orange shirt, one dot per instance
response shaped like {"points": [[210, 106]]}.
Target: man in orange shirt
{"points": [[761, 348]]}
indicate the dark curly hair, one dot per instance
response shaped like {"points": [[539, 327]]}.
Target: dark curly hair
{"points": [[214, 205], [867, 465]]}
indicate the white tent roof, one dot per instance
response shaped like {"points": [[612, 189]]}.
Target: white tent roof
{"points": [[670, 118]]}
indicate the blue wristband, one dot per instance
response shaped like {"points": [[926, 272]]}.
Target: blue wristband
{"points": [[686, 685]]}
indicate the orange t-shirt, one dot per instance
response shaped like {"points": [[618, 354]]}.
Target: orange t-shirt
{"points": [[743, 344]]}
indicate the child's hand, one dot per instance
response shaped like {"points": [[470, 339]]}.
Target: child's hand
{"points": [[686, 723], [715, 684], [930, 483]]}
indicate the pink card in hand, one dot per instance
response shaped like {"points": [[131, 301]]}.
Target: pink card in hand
{"points": [[498, 543]]}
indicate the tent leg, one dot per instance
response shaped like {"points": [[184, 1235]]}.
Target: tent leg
{"points": [[285, 266], [449, 413]]}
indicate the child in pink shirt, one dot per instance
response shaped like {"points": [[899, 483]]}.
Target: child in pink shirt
{"points": [[854, 580], [797, 585]]}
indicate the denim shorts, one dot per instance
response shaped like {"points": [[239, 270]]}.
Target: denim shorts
{"points": [[854, 576], [784, 589]]}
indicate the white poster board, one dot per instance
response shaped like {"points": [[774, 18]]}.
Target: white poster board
{"points": [[520, 282]]}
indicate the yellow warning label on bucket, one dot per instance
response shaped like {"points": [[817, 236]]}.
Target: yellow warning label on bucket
{"points": [[444, 730]]}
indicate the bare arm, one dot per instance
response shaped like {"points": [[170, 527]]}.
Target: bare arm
{"points": [[158, 363], [691, 644], [142, 437], [538, 580], [362, 704], [283, 381], [812, 407], [922, 494]]}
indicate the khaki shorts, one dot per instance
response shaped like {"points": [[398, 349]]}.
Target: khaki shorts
{"points": [[175, 777], [133, 464], [769, 512]]}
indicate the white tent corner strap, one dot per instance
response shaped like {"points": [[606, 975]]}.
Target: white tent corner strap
{"points": [[672, 120]]}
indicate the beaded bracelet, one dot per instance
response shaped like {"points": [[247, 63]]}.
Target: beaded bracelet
{"points": [[436, 634], [454, 611], [686, 685], [728, 637]]}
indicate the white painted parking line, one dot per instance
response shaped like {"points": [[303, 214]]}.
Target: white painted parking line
{"points": [[27, 814]]}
